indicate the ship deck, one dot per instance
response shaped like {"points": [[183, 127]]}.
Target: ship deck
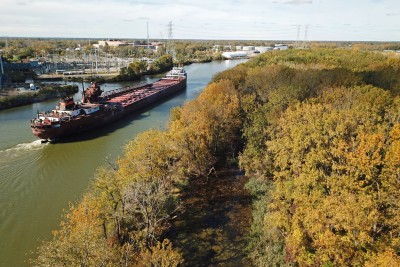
{"points": [[141, 93]]}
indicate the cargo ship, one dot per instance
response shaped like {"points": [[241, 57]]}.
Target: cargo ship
{"points": [[98, 108]]}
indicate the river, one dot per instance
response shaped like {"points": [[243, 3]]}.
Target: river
{"points": [[38, 181]]}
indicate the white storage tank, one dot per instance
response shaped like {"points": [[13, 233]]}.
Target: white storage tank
{"points": [[263, 49], [281, 47], [248, 48], [232, 55]]}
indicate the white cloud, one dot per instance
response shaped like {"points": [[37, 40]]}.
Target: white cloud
{"points": [[206, 19], [294, 2]]}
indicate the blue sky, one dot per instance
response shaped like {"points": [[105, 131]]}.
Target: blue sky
{"points": [[352, 20]]}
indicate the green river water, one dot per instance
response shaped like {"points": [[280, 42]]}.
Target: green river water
{"points": [[38, 181]]}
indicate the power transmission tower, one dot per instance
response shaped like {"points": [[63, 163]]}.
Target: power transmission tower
{"points": [[305, 36], [169, 29], [148, 39], [170, 45], [298, 36]]}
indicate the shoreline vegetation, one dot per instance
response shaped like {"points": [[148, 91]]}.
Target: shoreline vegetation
{"points": [[317, 135], [47, 92]]}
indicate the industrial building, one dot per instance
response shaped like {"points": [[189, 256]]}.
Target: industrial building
{"points": [[281, 47], [113, 43], [248, 48], [263, 49]]}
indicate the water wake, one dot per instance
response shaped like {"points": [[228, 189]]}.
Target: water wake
{"points": [[20, 149]]}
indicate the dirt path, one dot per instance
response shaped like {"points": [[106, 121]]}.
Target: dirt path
{"points": [[216, 219]]}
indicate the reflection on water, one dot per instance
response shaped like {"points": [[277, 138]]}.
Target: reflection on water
{"points": [[38, 181]]}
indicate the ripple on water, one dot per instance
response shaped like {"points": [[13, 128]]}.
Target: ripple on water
{"points": [[17, 155], [20, 149], [14, 162]]}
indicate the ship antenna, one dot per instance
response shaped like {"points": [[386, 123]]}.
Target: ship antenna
{"points": [[83, 95]]}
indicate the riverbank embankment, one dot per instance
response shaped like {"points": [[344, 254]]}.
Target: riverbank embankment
{"points": [[14, 98]]}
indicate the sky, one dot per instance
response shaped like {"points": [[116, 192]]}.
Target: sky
{"points": [[303, 20]]}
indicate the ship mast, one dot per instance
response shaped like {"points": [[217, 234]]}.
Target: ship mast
{"points": [[2, 72], [1, 63]]}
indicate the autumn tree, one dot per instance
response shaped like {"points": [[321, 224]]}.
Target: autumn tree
{"points": [[120, 221], [207, 128], [316, 136], [333, 201]]}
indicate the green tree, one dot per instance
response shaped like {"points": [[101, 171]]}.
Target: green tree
{"points": [[138, 67], [163, 63]]}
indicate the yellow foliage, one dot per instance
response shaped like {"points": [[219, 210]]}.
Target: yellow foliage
{"points": [[335, 179], [386, 258], [204, 126], [160, 255], [149, 155]]}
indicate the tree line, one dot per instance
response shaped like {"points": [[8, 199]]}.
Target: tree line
{"points": [[138, 68]]}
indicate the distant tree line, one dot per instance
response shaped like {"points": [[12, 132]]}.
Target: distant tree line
{"points": [[138, 68], [186, 51]]}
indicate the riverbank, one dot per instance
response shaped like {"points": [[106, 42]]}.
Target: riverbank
{"points": [[77, 77], [17, 98]]}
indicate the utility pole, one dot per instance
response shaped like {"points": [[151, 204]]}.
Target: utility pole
{"points": [[97, 64], [148, 40]]}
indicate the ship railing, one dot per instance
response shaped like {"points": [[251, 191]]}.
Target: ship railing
{"points": [[177, 72], [116, 92]]}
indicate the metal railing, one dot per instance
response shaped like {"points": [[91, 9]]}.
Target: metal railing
{"points": [[120, 91]]}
